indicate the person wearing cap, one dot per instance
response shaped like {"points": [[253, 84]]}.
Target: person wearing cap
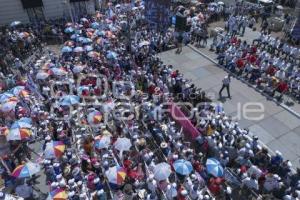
{"points": [[101, 195]]}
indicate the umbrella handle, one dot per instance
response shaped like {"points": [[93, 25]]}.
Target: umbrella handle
{"points": [[3, 163]]}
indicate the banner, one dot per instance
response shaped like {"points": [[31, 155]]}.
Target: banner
{"points": [[189, 129], [158, 12]]}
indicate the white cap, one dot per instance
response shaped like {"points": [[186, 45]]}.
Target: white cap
{"points": [[278, 153]]}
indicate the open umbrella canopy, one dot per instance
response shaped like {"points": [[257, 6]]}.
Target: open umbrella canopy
{"points": [[183, 167], [15, 23], [5, 97], [58, 194], [20, 91], [69, 43], [24, 122], [57, 71], [112, 55], [144, 43], [95, 117], [86, 41], [69, 30], [88, 48], [162, 171], [95, 25], [42, 75], [26, 170], [78, 68], [54, 149], [122, 144], [214, 167], [75, 36], [93, 54], [116, 175], [99, 33], [69, 100], [102, 141], [66, 49], [8, 106], [24, 35], [84, 19], [78, 50], [19, 134]]}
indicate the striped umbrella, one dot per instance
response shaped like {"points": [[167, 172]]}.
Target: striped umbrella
{"points": [[8, 106], [24, 122], [42, 75], [183, 167], [214, 167], [26, 170], [5, 97], [102, 141], [19, 134], [54, 149], [116, 175], [94, 117], [58, 194]]}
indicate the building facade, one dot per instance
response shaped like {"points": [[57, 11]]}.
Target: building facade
{"points": [[36, 10]]}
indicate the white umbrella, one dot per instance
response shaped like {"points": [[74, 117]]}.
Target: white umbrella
{"points": [[42, 75], [144, 43], [122, 144], [220, 3], [162, 171]]}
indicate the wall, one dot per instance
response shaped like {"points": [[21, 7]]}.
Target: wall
{"points": [[53, 9], [12, 10]]}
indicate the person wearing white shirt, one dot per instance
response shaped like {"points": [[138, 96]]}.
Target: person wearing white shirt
{"points": [[280, 74], [271, 182]]}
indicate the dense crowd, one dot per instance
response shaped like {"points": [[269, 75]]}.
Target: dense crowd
{"points": [[99, 111]]}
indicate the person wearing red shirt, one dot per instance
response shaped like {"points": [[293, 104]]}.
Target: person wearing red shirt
{"points": [[252, 58], [271, 70], [174, 74], [240, 63], [215, 186], [282, 88]]}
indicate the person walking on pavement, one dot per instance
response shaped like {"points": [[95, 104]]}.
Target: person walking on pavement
{"points": [[226, 84]]}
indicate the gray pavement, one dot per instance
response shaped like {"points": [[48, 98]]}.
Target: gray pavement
{"points": [[278, 129]]}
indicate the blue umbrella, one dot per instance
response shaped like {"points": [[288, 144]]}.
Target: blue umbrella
{"points": [[112, 55], [214, 167], [78, 49], [183, 167], [69, 100], [88, 48], [100, 33], [95, 25], [5, 97], [66, 49], [69, 30], [24, 122], [87, 41], [74, 36], [80, 39]]}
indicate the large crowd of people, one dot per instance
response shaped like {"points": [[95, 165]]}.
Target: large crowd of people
{"points": [[98, 111]]}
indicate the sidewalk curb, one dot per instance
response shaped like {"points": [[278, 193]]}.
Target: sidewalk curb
{"points": [[296, 114]]}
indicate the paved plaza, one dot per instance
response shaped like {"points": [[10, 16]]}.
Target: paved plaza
{"points": [[278, 129]]}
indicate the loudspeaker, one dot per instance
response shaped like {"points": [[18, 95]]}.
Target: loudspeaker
{"points": [[180, 24], [31, 3]]}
